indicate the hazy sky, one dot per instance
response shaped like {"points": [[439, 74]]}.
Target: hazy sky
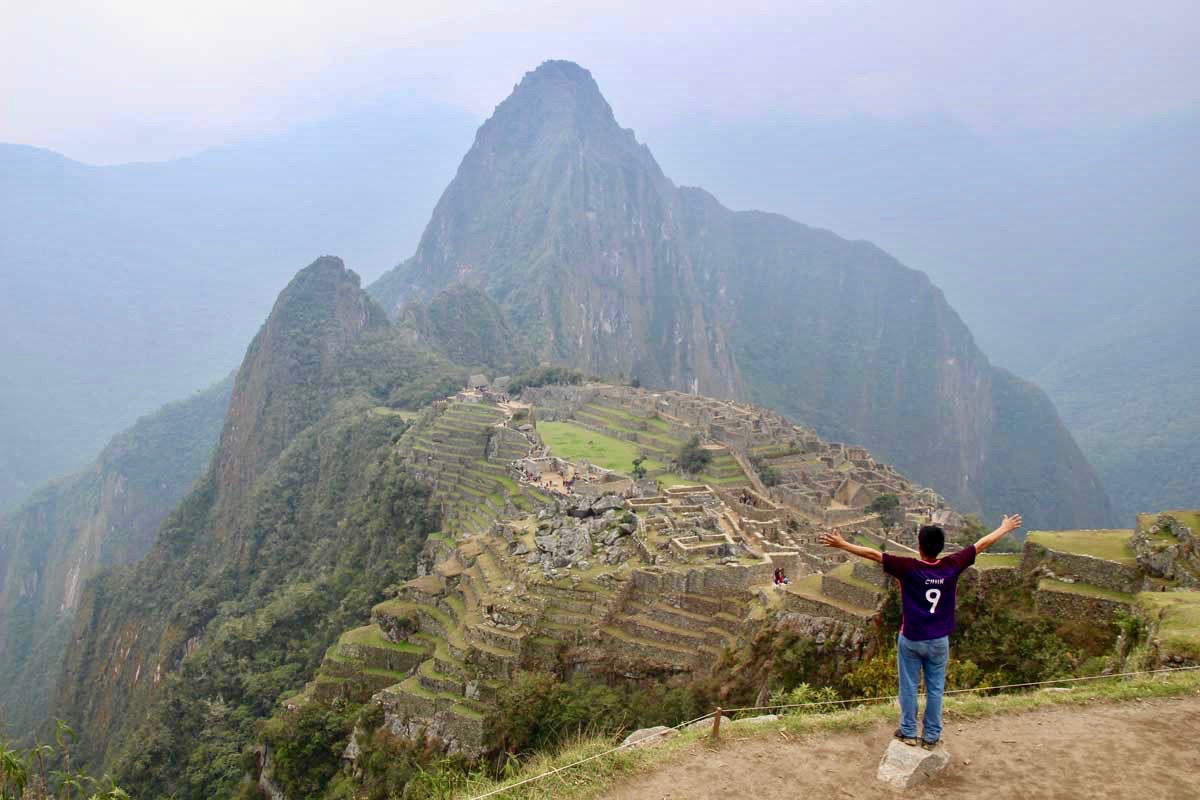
{"points": [[108, 81]]}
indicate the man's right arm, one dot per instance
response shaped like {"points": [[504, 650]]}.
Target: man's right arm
{"points": [[1009, 525], [834, 539]]}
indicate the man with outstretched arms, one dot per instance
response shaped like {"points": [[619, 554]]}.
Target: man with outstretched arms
{"points": [[927, 588]]}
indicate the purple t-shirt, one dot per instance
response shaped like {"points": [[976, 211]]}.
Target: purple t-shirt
{"points": [[927, 592]]}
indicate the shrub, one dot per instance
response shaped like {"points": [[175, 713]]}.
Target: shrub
{"points": [[692, 457]]}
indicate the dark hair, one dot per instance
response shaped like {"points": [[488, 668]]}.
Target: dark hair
{"points": [[931, 540]]}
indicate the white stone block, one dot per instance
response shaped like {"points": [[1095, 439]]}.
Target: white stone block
{"points": [[904, 766]]}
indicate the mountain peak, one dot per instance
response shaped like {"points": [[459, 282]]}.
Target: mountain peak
{"points": [[557, 96]]}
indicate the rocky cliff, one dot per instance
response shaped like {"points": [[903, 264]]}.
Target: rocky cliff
{"points": [[564, 219], [104, 516]]}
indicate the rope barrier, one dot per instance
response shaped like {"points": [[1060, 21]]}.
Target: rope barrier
{"points": [[856, 701]]}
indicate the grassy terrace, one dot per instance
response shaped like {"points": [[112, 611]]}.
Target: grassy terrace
{"points": [[575, 443], [1188, 518], [845, 573], [371, 636], [1178, 615], [810, 587], [993, 560], [1109, 545], [1085, 589]]}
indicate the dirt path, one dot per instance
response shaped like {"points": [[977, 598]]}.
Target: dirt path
{"points": [[1141, 750]]}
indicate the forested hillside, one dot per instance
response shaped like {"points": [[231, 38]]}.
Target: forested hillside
{"points": [[1129, 387], [301, 522], [107, 515]]}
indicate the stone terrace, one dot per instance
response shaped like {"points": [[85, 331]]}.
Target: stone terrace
{"points": [[464, 451]]}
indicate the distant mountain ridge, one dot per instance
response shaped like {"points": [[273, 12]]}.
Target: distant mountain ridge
{"points": [[125, 287], [603, 264], [1129, 386]]}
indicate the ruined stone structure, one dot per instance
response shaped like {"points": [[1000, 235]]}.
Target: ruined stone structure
{"points": [[651, 581], [829, 483]]}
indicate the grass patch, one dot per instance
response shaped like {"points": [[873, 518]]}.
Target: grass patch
{"points": [[1085, 589], [1189, 518], [1178, 616], [993, 560], [384, 411], [1109, 545], [599, 776], [371, 636], [576, 443]]}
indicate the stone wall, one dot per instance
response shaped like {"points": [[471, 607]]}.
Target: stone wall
{"points": [[988, 581], [1096, 571], [1157, 554], [843, 645], [1069, 605]]}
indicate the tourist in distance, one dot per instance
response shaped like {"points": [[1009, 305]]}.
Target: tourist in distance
{"points": [[927, 588]]}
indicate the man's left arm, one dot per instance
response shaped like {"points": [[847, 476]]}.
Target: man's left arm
{"points": [[1009, 525], [834, 539]]}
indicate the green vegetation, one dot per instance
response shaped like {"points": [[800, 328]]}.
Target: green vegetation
{"points": [[44, 772], [766, 473], [1111, 545], [1085, 589], [639, 470], [546, 376], [993, 560], [1190, 519], [576, 443], [693, 458], [536, 710], [306, 748], [887, 506], [864, 541], [264, 631], [1178, 618], [135, 482]]}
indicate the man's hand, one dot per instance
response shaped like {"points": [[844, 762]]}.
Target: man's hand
{"points": [[832, 539], [1009, 525]]}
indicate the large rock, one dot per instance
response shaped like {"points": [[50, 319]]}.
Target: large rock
{"points": [[904, 766], [648, 736], [573, 545], [706, 724], [609, 502]]}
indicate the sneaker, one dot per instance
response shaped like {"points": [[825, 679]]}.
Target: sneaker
{"points": [[911, 741]]}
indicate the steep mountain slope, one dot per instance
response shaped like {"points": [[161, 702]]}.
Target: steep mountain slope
{"points": [[295, 530], [463, 324], [1129, 387], [106, 515], [570, 225]]}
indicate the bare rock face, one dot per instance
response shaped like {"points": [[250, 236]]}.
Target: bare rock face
{"points": [[904, 766]]}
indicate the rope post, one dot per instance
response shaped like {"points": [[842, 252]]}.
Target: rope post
{"points": [[716, 732]]}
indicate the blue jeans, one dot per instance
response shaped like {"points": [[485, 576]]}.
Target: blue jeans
{"points": [[912, 658]]}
